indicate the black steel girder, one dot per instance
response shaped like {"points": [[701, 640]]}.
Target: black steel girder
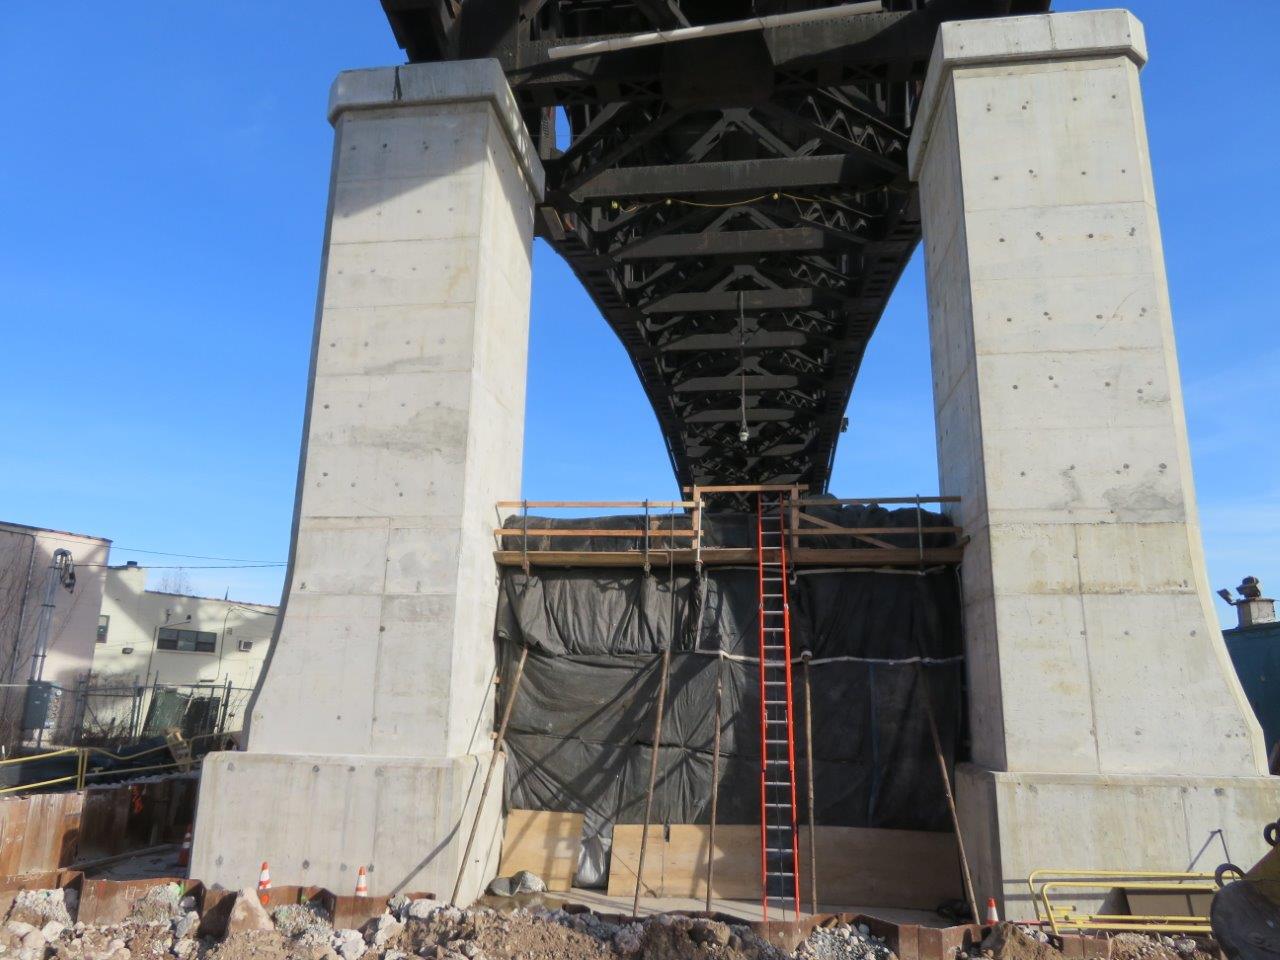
{"points": [[737, 207]]}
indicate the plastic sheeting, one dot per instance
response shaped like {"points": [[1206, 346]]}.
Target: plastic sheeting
{"points": [[581, 733]]}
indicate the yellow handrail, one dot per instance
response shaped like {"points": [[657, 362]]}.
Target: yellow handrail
{"points": [[1169, 875], [83, 773], [39, 756], [1102, 879], [32, 786]]}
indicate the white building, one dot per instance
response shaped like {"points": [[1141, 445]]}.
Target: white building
{"points": [[25, 556], [172, 639]]}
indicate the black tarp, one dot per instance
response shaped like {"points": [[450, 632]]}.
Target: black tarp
{"points": [[580, 736]]}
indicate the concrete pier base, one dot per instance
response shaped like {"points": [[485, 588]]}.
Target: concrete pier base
{"points": [[318, 819], [371, 725], [1108, 727], [1015, 823]]}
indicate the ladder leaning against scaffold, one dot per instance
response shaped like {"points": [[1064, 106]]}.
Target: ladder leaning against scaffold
{"points": [[779, 840]]}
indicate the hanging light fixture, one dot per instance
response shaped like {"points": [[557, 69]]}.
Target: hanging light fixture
{"points": [[744, 432]]}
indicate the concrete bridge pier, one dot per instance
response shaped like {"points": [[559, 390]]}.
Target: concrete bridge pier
{"points": [[1108, 727], [371, 729]]}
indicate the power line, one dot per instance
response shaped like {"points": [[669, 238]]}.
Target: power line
{"points": [[196, 556], [48, 535], [229, 566]]}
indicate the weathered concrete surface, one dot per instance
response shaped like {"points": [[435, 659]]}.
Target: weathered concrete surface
{"points": [[1095, 662], [1059, 410], [383, 663]]}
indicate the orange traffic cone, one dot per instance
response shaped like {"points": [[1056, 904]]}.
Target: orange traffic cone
{"points": [[993, 915], [184, 852], [264, 885], [362, 884]]}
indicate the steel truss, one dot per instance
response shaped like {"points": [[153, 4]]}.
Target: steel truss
{"points": [[738, 208]]}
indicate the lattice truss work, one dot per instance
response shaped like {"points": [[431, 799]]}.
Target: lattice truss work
{"points": [[737, 207]]}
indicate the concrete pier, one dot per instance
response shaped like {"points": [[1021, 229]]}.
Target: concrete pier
{"points": [[370, 731], [1108, 727]]}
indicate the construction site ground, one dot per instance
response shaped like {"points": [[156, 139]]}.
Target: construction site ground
{"points": [[42, 925]]}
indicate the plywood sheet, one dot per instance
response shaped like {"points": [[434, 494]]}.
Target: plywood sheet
{"points": [[624, 863], [856, 866], [544, 842], [737, 862]]}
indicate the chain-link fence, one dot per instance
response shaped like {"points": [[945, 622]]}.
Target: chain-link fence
{"points": [[96, 714]]}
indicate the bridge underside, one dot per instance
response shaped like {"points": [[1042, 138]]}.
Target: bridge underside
{"points": [[738, 207]]}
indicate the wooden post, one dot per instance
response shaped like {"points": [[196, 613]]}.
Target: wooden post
{"points": [[946, 787], [715, 778], [488, 777], [808, 762], [653, 774]]}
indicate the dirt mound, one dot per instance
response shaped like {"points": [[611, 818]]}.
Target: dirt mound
{"points": [[1008, 941], [261, 945]]}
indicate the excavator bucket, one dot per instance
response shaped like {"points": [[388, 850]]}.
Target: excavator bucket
{"points": [[1246, 912]]}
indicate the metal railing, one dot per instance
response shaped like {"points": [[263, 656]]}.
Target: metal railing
{"points": [[1044, 885], [83, 772]]}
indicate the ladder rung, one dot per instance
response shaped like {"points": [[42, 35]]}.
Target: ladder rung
{"points": [[777, 783], [779, 850], [775, 742], [778, 806]]}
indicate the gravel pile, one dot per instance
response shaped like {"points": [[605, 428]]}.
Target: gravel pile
{"points": [[38, 907], [163, 925], [304, 922], [1137, 946], [843, 942], [164, 902]]}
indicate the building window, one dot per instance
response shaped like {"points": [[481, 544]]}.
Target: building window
{"points": [[186, 641], [104, 622]]}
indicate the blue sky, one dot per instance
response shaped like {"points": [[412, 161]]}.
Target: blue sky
{"points": [[162, 193]]}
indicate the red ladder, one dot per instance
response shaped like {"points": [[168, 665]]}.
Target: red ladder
{"points": [[779, 842]]}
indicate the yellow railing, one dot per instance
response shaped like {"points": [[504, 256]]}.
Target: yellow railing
{"points": [[1042, 884], [83, 774]]}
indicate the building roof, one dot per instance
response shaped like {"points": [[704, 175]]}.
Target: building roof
{"points": [[1261, 631], [50, 530], [194, 596]]}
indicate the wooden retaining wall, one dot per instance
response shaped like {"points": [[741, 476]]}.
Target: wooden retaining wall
{"points": [[45, 831]]}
